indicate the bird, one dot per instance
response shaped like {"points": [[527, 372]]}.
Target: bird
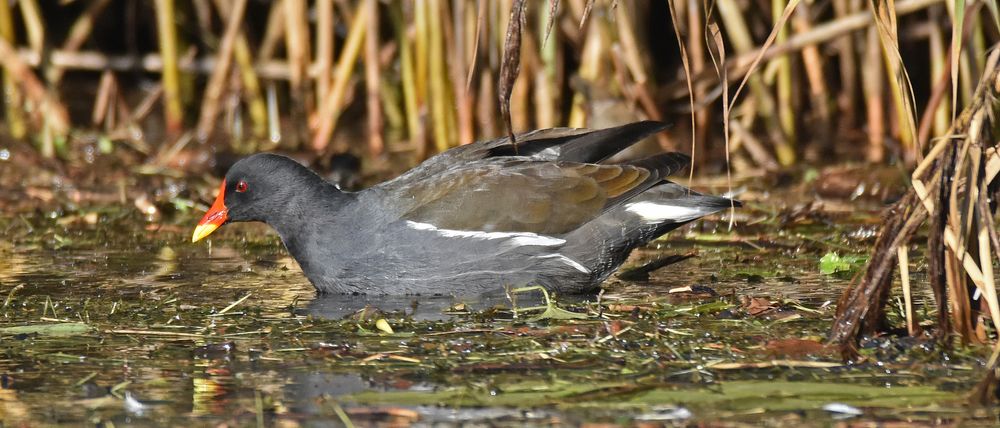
{"points": [[541, 211]]}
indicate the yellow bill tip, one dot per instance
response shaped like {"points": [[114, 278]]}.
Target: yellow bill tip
{"points": [[203, 230]]}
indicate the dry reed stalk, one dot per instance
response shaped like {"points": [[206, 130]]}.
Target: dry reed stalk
{"points": [[217, 81], [106, 89], [741, 61], [78, 34], [510, 65], [847, 61], [520, 98], [904, 278], [446, 36], [372, 80], [545, 100], [686, 64], [754, 147], [324, 46], [12, 98], [696, 49], [949, 184], [625, 21], [274, 31], [456, 45], [51, 112], [297, 42], [481, 10], [938, 105], [812, 61], [589, 71], [720, 47], [332, 103], [632, 52], [872, 86], [957, 10], [170, 74], [783, 80], [34, 24], [438, 99], [742, 41], [586, 12], [251, 88], [421, 47], [485, 107], [411, 108], [203, 14], [900, 85], [153, 63], [936, 110], [785, 152]]}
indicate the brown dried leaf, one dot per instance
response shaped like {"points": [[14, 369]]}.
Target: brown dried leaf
{"points": [[797, 348], [510, 66], [756, 305]]}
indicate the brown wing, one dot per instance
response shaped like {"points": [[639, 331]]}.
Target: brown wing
{"points": [[554, 144], [522, 196]]}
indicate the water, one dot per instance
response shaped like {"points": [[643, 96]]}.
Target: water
{"points": [[144, 328]]}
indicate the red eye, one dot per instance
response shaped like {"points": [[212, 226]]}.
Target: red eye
{"points": [[241, 186]]}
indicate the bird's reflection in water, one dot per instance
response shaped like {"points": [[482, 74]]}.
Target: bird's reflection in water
{"points": [[426, 308]]}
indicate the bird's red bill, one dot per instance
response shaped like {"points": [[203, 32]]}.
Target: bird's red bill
{"points": [[214, 218]]}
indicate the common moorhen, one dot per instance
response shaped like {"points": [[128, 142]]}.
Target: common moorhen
{"points": [[474, 218]]}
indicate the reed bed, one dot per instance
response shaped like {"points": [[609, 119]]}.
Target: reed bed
{"points": [[424, 76]]}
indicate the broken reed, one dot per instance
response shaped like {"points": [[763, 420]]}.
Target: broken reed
{"points": [[953, 195], [425, 74]]}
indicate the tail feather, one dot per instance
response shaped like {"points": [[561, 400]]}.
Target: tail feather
{"points": [[647, 216]]}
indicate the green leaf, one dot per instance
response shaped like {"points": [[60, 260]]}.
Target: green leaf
{"points": [[832, 263], [55, 329]]}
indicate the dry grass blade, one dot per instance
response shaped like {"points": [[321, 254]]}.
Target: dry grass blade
{"points": [[510, 65], [720, 67], [686, 63], [480, 19], [902, 89]]}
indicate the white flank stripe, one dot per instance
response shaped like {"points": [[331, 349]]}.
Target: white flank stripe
{"points": [[575, 264], [515, 238], [653, 212]]}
